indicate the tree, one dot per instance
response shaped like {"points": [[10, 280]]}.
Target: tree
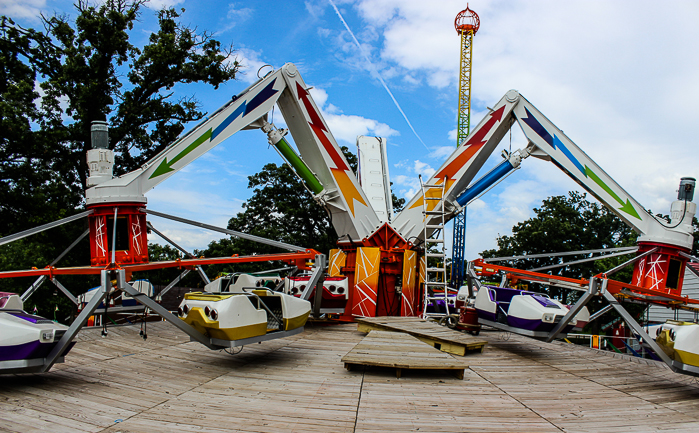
{"points": [[89, 70], [572, 224], [55, 82], [562, 224]]}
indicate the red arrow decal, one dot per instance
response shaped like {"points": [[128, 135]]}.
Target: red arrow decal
{"points": [[332, 151], [312, 113], [319, 129], [472, 146]]}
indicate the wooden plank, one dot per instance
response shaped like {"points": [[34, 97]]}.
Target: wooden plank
{"points": [[400, 352], [439, 337]]}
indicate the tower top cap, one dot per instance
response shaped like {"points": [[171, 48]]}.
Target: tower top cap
{"points": [[467, 20]]}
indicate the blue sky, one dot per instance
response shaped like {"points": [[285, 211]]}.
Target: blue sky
{"points": [[620, 78]]}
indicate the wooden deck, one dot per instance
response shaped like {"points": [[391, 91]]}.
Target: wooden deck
{"points": [[124, 384], [437, 336], [400, 352]]}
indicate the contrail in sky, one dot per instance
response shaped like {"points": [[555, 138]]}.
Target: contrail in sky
{"points": [[376, 71]]}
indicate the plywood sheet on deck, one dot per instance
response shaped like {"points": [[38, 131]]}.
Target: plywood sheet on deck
{"points": [[440, 337], [400, 351]]}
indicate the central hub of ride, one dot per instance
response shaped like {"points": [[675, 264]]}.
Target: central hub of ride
{"points": [[382, 274]]}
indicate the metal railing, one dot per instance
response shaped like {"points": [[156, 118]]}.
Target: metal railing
{"points": [[632, 345]]}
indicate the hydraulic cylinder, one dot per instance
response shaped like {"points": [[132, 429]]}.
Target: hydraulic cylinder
{"points": [[298, 165], [485, 182]]}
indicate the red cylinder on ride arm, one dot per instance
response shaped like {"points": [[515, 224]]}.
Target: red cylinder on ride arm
{"points": [[131, 244]]}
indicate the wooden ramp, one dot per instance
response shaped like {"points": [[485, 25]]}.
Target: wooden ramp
{"points": [[437, 336], [402, 352]]}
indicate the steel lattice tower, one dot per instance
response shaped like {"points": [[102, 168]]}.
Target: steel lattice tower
{"points": [[466, 25]]}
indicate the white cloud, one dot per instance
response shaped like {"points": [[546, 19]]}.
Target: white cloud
{"points": [[320, 96], [188, 237], [622, 93], [316, 7], [442, 153], [236, 15], [30, 9], [507, 204], [346, 127], [418, 37], [407, 185], [162, 4], [452, 134], [251, 64], [411, 80], [194, 204], [424, 169]]}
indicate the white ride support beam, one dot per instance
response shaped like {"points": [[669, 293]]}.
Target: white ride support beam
{"points": [[374, 177]]}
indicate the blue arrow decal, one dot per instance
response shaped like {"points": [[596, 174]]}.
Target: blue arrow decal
{"points": [[227, 121], [536, 126], [246, 107], [554, 142], [558, 143], [261, 97]]}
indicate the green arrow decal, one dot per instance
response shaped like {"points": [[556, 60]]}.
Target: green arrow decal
{"points": [[629, 209], [626, 207], [166, 166]]}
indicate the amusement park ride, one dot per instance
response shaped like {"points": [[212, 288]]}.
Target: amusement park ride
{"points": [[381, 261]]}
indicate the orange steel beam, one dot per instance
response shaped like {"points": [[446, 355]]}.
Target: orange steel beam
{"points": [[613, 286], [299, 258], [491, 268]]}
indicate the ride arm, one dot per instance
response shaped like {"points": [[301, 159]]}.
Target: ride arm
{"points": [[324, 169], [460, 169], [549, 143], [243, 111], [351, 213]]}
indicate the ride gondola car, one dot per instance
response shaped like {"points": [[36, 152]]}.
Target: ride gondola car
{"points": [[26, 339]]}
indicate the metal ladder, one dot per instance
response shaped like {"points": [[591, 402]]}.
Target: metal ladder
{"points": [[435, 276]]}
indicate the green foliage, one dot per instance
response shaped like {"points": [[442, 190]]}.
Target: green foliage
{"points": [[33, 189], [566, 224], [55, 82]]}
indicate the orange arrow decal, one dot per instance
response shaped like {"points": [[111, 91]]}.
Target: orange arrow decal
{"points": [[474, 143], [347, 187], [349, 192], [472, 146]]}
